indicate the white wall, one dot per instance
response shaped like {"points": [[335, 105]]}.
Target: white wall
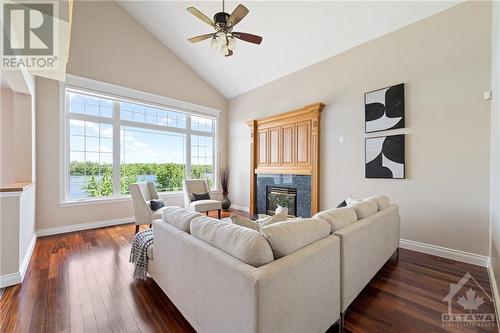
{"points": [[495, 144], [444, 61], [108, 45]]}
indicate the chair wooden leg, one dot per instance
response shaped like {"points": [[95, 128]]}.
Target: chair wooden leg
{"points": [[218, 213], [136, 228]]}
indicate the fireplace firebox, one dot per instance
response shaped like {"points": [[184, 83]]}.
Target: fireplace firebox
{"points": [[282, 196]]}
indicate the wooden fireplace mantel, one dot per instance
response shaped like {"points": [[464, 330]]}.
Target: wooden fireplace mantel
{"points": [[286, 143]]}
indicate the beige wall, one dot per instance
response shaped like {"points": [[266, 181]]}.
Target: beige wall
{"points": [[16, 137], [495, 144], [7, 123], [444, 61], [109, 45]]}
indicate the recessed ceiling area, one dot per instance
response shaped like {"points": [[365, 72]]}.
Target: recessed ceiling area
{"points": [[296, 34]]}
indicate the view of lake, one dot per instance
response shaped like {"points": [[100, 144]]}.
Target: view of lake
{"points": [[76, 183]]}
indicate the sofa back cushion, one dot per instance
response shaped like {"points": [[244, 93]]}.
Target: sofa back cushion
{"points": [[179, 217], [381, 200], [290, 236], [338, 217], [364, 208], [242, 243]]}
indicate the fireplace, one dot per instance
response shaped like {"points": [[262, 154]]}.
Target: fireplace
{"points": [[283, 196]]}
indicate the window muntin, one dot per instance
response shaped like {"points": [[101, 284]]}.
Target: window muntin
{"points": [[202, 124], [91, 159], [90, 105], [151, 115], [202, 158], [153, 145]]}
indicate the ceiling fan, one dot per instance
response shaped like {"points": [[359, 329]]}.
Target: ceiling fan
{"points": [[224, 37]]}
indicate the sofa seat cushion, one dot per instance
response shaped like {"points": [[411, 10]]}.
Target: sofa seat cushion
{"points": [[338, 217], [242, 243], [157, 214], [179, 217], [381, 200], [290, 236], [364, 208], [205, 205]]}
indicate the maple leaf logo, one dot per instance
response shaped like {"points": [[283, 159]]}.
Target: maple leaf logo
{"points": [[470, 301]]}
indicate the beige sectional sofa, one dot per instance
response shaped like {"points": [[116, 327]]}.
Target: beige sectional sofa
{"points": [[369, 236], [226, 278], [293, 276]]}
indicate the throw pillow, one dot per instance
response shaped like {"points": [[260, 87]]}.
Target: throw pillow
{"points": [[156, 204], [200, 196], [245, 222], [281, 210], [351, 200], [342, 204], [273, 219]]}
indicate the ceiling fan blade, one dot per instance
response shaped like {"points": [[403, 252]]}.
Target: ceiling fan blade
{"points": [[229, 54], [248, 37], [237, 15], [201, 16], [197, 39]]}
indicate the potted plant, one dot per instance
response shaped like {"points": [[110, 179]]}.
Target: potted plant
{"points": [[224, 184]]}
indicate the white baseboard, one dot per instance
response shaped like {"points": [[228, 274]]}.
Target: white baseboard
{"points": [[8, 280], [83, 226], [242, 208], [494, 289], [17, 277], [27, 257], [467, 257]]}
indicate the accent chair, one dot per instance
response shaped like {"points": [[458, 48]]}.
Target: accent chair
{"points": [[142, 193], [198, 186]]}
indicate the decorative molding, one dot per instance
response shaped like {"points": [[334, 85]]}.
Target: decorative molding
{"points": [[10, 279], [239, 207], [467, 257], [83, 226], [494, 288], [286, 143]]}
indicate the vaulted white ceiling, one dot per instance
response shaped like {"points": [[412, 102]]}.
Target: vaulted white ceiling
{"points": [[296, 34]]}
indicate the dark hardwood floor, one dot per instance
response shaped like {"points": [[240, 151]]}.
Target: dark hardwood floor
{"points": [[82, 282]]}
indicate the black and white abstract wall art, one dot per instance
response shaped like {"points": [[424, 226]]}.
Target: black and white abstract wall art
{"points": [[385, 109], [385, 157]]}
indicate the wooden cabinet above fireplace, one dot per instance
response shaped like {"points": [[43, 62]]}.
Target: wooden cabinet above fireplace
{"points": [[287, 143]]}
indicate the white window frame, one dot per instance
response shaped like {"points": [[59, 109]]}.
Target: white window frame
{"points": [[114, 92]]}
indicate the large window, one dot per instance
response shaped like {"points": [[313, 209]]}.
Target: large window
{"points": [[112, 142]]}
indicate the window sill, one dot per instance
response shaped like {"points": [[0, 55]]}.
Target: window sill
{"points": [[100, 201]]}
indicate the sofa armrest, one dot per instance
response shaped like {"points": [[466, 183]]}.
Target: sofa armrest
{"points": [[302, 289], [366, 246]]}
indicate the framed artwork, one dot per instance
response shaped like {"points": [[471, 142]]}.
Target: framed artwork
{"points": [[385, 109], [385, 157]]}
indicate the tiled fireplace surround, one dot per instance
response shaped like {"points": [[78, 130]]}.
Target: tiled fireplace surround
{"points": [[302, 183]]}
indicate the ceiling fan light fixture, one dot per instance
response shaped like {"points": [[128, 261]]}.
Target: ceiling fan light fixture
{"points": [[223, 38], [224, 49], [214, 44], [232, 44]]}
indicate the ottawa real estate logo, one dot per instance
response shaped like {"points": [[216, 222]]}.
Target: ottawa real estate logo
{"points": [[469, 305]]}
